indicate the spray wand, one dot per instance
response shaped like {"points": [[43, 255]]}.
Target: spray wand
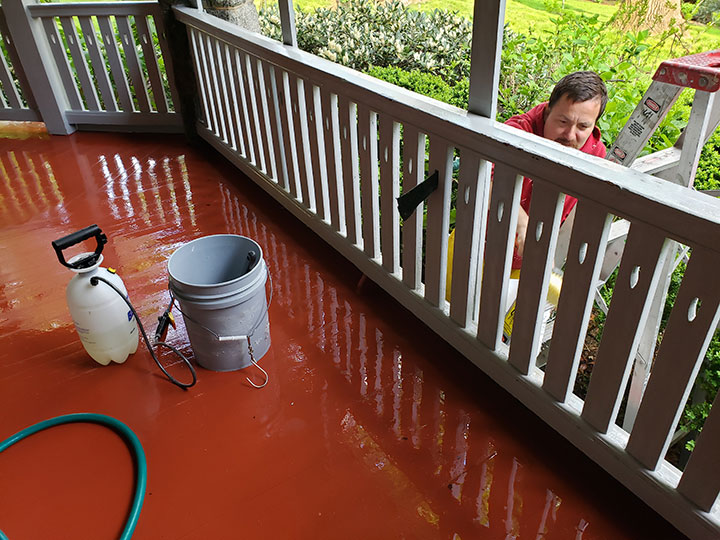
{"points": [[164, 322]]}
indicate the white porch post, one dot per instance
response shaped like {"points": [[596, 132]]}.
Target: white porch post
{"points": [[287, 22], [38, 64], [487, 36]]}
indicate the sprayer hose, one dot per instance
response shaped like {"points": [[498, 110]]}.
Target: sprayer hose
{"points": [[121, 429], [94, 281]]}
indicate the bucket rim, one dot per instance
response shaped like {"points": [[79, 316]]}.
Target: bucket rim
{"points": [[197, 295], [255, 269]]}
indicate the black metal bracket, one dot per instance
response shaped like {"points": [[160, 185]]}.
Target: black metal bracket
{"points": [[408, 202]]}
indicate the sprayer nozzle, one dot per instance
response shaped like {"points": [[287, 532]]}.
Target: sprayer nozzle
{"points": [[165, 320]]}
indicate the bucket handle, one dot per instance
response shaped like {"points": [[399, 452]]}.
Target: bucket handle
{"points": [[237, 338], [250, 350], [252, 359]]}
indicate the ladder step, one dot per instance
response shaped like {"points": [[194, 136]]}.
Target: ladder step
{"points": [[700, 71], [657, 161], [618, 229]]}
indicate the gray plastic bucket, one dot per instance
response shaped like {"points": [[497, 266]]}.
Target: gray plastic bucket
{"points": [[220, 288]]}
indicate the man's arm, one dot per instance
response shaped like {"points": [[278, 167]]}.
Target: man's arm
{"points": [[530, 122], [522, 224], [521, 232]]}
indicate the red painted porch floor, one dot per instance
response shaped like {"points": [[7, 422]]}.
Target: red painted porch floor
{"points": [[370, 426]]}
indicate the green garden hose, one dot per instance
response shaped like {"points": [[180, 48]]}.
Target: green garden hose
{"points": [[121, 429]]}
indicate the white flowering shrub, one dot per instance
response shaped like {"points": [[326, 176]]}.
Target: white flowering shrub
{"points": [[363, 33]]}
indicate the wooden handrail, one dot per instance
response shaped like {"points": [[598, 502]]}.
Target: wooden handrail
{"points": [[88, 9]]}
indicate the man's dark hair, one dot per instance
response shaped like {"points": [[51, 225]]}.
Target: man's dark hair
{"points": [[580, 86]]}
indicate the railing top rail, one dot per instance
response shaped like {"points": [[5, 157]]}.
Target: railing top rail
{"points": [[88, 9], [684, 215]]}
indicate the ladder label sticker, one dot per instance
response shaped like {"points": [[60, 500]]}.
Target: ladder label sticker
{"points": [[636, 128], [652, 105], [619, 153]]}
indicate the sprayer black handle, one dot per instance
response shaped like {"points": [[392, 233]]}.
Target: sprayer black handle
{"points": [[77, 237]]}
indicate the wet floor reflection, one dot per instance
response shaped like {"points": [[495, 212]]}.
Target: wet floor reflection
{"points": [[27, 186], [358, 394], [157, 191], [49, 187], [401, 423]]}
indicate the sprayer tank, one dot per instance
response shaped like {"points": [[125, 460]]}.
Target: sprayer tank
{"points": [[105, 324]]}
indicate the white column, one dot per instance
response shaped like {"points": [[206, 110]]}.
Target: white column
{"points": [[487, 37], [287, 22]]}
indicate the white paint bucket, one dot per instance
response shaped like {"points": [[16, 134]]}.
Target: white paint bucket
{"points": [[219, 283]]}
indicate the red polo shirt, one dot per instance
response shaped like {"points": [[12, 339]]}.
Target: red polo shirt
{"points": [[533, 121]]}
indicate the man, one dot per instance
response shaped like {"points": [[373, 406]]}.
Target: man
{"points": [[568, 118]]}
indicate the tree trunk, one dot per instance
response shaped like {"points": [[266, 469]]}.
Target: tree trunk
{"points": [[240, 12], [654, 15]]}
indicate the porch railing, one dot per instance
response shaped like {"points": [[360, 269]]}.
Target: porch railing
{"points": [[103, 64], [336, 148], [16, 99]]}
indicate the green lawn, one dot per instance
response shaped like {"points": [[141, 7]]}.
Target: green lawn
{"points": [[527, 16], [305, 5], [519, 13], [705, 38], [522, 14], [533, 15]]}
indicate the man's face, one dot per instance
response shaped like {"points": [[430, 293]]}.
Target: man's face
{"points": [[571, 123]]}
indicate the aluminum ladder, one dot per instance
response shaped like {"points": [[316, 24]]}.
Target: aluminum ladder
{"points": [[677, 164]]}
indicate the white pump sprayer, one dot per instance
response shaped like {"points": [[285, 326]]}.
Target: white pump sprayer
{"points": [[107, 328]]}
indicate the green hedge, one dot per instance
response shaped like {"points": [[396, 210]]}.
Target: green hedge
{"points": [[708, 173], [424, 83], [363, 33]]}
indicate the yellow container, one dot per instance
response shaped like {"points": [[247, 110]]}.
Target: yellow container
{"points": [[552, 296]]}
